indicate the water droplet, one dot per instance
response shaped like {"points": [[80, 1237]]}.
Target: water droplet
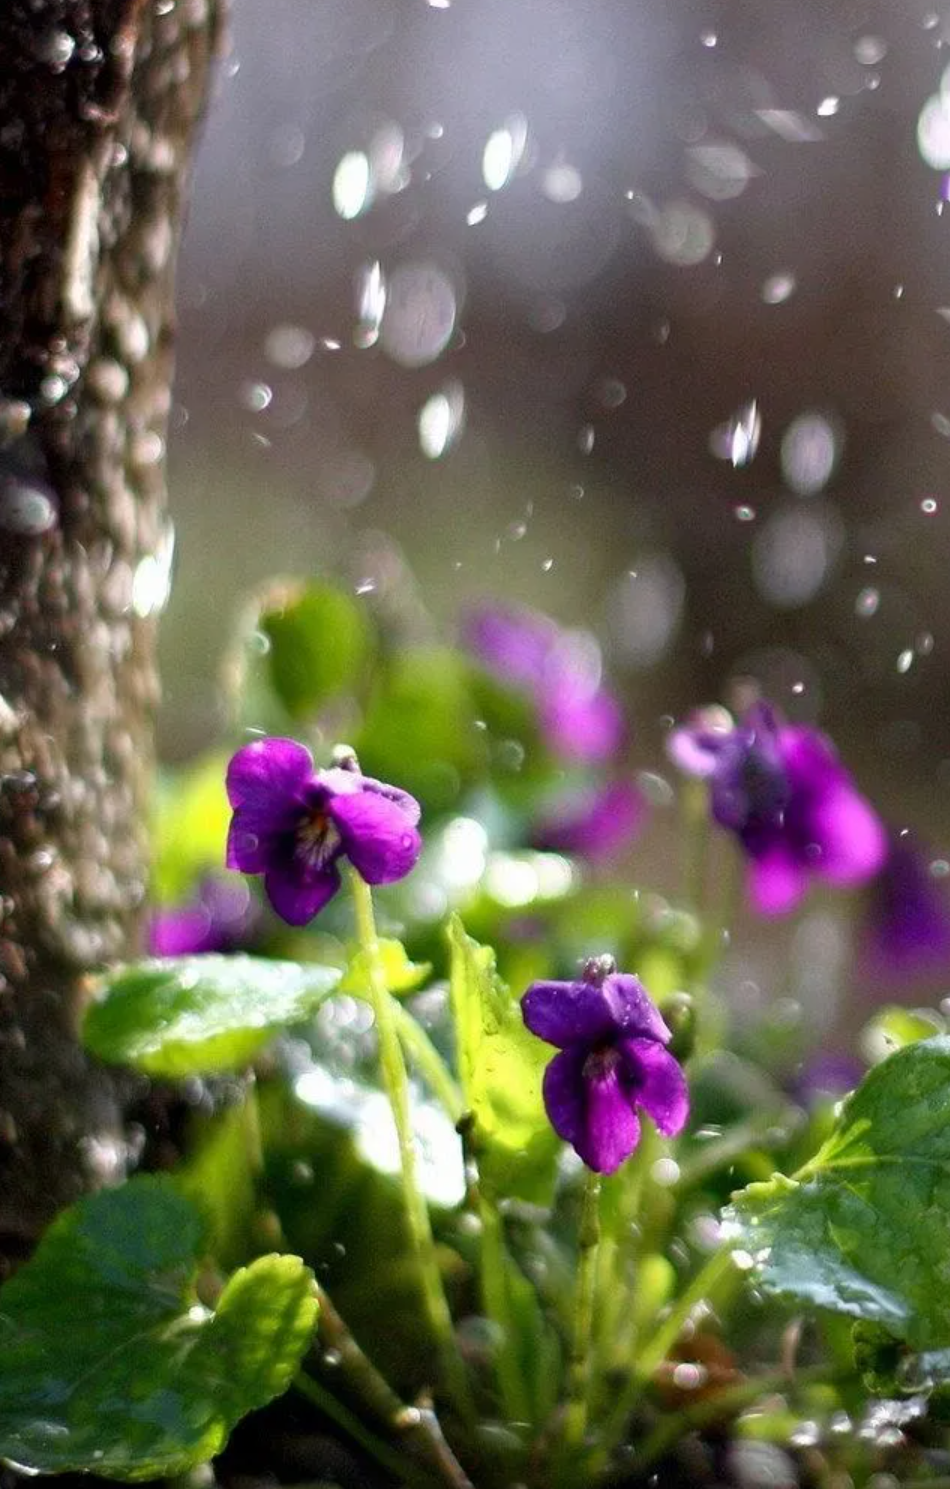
{"points": [[828, 106], [745, 514], [905, 660], [476, 214], [419, 314], [503, 152], [778, 288], [441, 420], [28, 506], [585, 439], [738, 439], [867, 602], [929, 505], [289, 347], [352, 185], [811, 447]]}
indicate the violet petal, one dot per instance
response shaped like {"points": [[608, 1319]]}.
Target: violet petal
{"points": [[776, 881], [567, 1013], [656, 1083], [851, 836], [264, 774], [298, 895], [378, 838], [632, 1009]]}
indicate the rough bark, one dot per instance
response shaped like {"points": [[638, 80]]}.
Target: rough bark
{"points": [[99, 101]]}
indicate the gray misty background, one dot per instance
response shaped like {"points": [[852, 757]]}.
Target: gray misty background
{"points": [[636, 312]]}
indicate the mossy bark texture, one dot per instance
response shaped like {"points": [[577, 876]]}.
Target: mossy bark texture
{"points": [[99, 101]]}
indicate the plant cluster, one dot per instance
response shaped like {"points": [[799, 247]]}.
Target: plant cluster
{"points": [[477, 1167]]}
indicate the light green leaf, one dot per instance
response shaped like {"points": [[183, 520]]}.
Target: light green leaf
{"points": [[402, 975], [108, 1361], [175, 1016], [864, 1228], [320, 644], [191, 826], [500, 1067]]}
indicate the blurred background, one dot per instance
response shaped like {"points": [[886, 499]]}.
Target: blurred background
{"points": [[636, 313]]}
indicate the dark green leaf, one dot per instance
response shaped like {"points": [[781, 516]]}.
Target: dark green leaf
{"points": [[178, 1016], [320, 643], [500, 1067], [864, 1228], [109, 1362]]}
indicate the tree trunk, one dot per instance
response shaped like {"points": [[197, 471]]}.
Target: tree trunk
{"points": [[99, 100]]}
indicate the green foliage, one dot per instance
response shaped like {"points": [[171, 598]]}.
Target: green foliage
{"points": [[177, 1016], [320, 646], [191, 827], [500, 1068], [862, 1228], [402, 975], [421, 726], [110, 1363]]}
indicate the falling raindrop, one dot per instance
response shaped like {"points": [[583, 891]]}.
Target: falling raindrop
{"points": [[419, 315], [738, 439]]}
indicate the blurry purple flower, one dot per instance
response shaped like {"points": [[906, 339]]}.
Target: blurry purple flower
{"points": [[795, 809], [908, 924], [220, 918], [612, 1060], [292, 824], [561, 670], [596, 824], [827, 1077]]}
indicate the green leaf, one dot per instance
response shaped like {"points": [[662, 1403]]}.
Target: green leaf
{"points": [[421, 727], [500, 1067], [320, 644], [864, 1228], [402, 975], [191, 826], [109, 1362], [176, 1016]]}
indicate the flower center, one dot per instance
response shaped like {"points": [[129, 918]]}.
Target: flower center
{"points": [[601, 1063], [317, 839]]}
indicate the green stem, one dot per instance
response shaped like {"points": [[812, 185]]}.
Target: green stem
{"points": [[708, 1282], [416, 1426], [396, 1084], [575, 1417], [496, 1303], [391, 1459], [430, 1064]]}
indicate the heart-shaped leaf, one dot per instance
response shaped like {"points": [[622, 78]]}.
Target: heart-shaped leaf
{"points": [[864, 1228], [108, 1360], [177, 1016]]}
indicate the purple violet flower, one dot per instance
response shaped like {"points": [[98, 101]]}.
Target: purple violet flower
{"points": [[292, 824], [219, 918], [596, 824], [612, 1060], [560, 669], [908, 924], [795, 809]]}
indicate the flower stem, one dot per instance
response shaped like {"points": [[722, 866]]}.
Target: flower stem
{"points": [[496, 1302], [416, 1426], [713, 1280], [429, 1063], [395, 1462], [579, 1365], [396, 1084]]}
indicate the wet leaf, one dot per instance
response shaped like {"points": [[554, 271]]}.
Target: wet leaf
{"points": [[176, 1016], [864, 1228], [320, 645], [500, 1067], [402, 975], [111, 1364]]}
